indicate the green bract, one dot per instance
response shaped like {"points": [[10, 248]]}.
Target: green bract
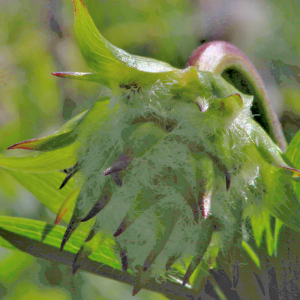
{"points": [[169, 162]]}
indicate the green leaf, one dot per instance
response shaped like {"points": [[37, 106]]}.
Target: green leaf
{"points": [[42, 162], [119, 70], [267, 149], [81, 126], [30, 235], [197, 280], [67, 206], [68, 133], [258, 225], [109, 62], [251, 253], [45, 187], [262, 223], [98, 115], [92, 77], [59, 139], [278, 226], [293, 154], [281, 199]]}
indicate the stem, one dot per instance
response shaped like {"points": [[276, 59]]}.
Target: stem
{"points": [[218, 57]]}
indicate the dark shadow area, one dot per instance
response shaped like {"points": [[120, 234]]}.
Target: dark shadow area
{"points": [[235, 78]]}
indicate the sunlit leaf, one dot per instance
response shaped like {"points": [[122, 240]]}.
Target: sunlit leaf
{"points": [[42, 162], [251, 253], [45, 187], [68, 133], [293, 154], [281, 199], [111, 63], [67, 206], [59, 139], [36, 236], [261, 223], [278, 226]]}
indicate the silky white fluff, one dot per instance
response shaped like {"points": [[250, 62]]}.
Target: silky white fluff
{"points": [[148, 173]]}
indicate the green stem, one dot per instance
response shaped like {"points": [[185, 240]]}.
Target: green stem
{"points": [[218, 57]]}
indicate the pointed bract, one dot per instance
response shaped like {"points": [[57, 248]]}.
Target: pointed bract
{"points": [[61, 138], [112, 65], [67, 205], [72, 226], [99, 205]]}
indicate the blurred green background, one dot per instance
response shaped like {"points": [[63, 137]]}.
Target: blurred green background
{"points": [[37, 38]]}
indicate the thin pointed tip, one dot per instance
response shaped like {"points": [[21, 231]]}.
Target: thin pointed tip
{"points": [[57, 221], [186, 277], [11, 147], [70, 229], [65, 181], [75, 269], [25, 145], [58, 74], [185, 280], [63, 74], [69, 176], [107, 171], [135, 291], [146, 265], [228, 180], [75, 5], [64, 240], [120, 229], [60, 216], [169, 265], [124, 260], [98, 206], [62, 245]]}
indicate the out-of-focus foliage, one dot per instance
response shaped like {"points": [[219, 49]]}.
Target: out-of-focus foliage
{"points": [[37, 38]]}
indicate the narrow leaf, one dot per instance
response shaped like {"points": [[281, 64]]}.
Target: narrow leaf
{"points": [[282, 203], [268, 150], [251, 253], [92, 77], [67, 206], [37, 235], [42, 162], [45, 187], [59, 139], [293, 154], [111, 64]]}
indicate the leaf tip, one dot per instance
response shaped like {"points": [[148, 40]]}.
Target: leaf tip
{"points": [[59, 216], [26, 145], [124, 260], [56, 73], [135, 291], [120, 229], [76, 2], [60, 74]]}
